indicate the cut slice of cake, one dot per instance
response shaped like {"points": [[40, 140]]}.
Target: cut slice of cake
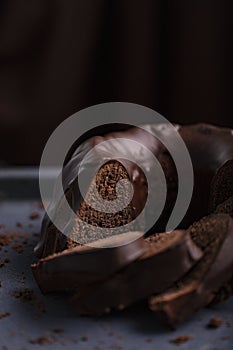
{"points": [[92, 224], [222, 185], [168, 257], [82, 265], [214, 236]]}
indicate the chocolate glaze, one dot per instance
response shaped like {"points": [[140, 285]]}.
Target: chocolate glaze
{"points": [[83, 265], [210, 148], [211, 151], [152, 273], [175, 308]]}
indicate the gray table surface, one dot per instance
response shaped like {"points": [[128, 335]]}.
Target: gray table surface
{"points": [[53, 318]]}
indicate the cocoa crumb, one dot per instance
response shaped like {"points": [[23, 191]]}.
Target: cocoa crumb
{"points": [[7, 238], [36, 234], [17, 248], [58, 330], [181, 339], [214, 322], [43, 340], [34, 215], [84, 338], [19, 224], [27, 295], [24, 294], [3, 262], [5, 314]]}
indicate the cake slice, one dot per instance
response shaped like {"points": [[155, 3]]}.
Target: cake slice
{"points": [[211, 151], [168, 257], [81, 265], [106, 180], [221, 185], [116, 281], [214, 236], [225, 207], [104, 186], [226, 291]]}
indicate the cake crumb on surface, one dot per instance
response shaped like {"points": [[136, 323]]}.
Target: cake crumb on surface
{"points": [[84, 338], [214, 322], [58, 330], [181, 339], [43, 340], [24, 294], [3, 262], [4, 315], [36, 234], [34, 215]]}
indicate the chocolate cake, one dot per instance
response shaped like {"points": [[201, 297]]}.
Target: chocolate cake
{"points": [[214, 236], [81, 265], [222, 185], [105, 182], [168, 257], [210, 148], [225, 207], [191, 262]]}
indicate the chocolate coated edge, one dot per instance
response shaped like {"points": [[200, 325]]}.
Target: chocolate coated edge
{"points": [[73, 267], [209, 147], [178, 309], [140, 279]]}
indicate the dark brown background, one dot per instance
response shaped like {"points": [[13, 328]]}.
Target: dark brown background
{"points": [[57, 57]]}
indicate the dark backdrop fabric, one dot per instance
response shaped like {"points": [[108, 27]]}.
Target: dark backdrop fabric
{"points": [[57, 57]]}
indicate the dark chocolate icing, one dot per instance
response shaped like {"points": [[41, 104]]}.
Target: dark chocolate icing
{"points": [[81, 265], [152, 273], [210, 148], [211, 151], [176, 306]]}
